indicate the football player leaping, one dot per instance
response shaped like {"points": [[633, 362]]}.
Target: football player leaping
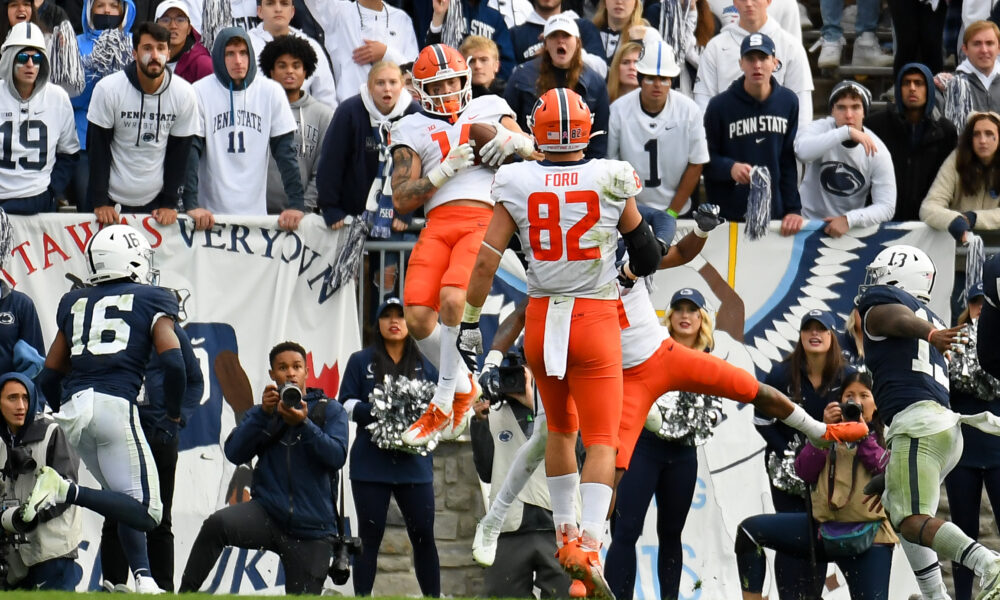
{"points": [[94, 370], [433, 167]]}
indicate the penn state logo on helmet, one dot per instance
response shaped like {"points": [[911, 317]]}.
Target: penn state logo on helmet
{"points": [[840, 179], [120, 252]]}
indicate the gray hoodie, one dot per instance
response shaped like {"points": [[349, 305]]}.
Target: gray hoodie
{"points": [[312, 117]]}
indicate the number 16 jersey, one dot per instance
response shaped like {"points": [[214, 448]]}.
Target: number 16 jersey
{"points": [[567, 219]]}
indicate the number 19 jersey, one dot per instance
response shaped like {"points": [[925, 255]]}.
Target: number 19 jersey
{"points": [[567, 218], [109, 329]]}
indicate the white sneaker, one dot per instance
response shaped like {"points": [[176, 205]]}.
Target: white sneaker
{"points": [[50, 489], [868, 52], [829, 54], [116, 588], [484, 543], [989, 584], [146, 585]]}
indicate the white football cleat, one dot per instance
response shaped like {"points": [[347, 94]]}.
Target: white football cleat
{"points": [[484, 543]]}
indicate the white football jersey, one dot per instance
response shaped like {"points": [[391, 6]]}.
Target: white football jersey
{"points": [[567, 218], [433, 138], [31, 134], [644, 334], [659, 147], [238, 127]]}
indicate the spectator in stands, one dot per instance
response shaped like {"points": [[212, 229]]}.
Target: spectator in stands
{"points": [[137, 160], [361, 34], [837, 476], [661, 133], [696, 26], [846, 165], [162, 435], [189, 59], [290, 60], [528, 39], [718, 68], [617, 20], [275, 16], [36, 170], [622, 75], [18, 11], [754, 123], [965, 194], [812, 375], [244, 13], [225, 175], [351, 165], [867, 51], [979, 466], [32, 439], [298, 450], [477, 19], [483, 58], [917, 141], [914, 22], [561, 65], [60, 39], [377, 474], [786, 12], [981, 45], [22, 349], [98, 16]]}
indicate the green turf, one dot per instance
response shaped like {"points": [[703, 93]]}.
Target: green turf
{"points": [[47, 595]]}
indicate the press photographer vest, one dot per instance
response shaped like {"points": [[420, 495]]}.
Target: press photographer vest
{"points": [[838, 494]]}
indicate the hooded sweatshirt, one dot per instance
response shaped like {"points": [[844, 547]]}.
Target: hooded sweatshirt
{"points": [[985, 90], [528, 42], [917, 150], [194, 61], [139, 141], [348, 163], [60, 528], [242, 122], [320, 85], [312, 118], [45, 115]]}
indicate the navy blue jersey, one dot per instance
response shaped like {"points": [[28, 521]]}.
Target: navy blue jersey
{"points": [[991, 280], [18, 321], [904, 370], [109, 329]]}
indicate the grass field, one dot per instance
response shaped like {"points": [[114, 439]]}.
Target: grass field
{"points": [[15, 595]]}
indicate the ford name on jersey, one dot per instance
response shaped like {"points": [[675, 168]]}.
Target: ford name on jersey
{"points": [[758, 124], [244, 118]]}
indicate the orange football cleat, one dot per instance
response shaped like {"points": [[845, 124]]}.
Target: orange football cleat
{"points": [[460, 411], [582, 561], [578, 589], [427, 427], [846, 431]]}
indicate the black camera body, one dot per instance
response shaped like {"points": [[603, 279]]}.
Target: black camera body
{"points": [[344, 547], [291, 395], [512, 379], [850, 411]]}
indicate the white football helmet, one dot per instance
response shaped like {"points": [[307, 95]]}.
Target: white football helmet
{"points": [[904, 267], [120, 252]]}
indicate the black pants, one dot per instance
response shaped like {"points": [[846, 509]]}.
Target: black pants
{"points": [[919, 34], [159, 541], [965, 493], [524, 561], [248, 525], [795, 575]]}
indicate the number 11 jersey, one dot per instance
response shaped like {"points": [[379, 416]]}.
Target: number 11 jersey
{"points": [[567, 218]]}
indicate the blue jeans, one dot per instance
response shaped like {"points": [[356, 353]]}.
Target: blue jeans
{"points": [[831, 10], [867, 574], [53, 574]]}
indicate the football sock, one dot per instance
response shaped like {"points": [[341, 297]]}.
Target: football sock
{"points": [[134, 544], [451, 368], [116, 505], [924, 564], [430, 346], [522, 467], [800, 420], [951, 542], [596, 498], [562, 493]]}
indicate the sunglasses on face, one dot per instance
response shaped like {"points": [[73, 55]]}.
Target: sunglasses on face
{"points": [[181, 20], [23, 57]]}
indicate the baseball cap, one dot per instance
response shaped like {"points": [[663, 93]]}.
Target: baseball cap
{"points": [[386, 304], [690, 294], [561, 22], [180, 5], [757, 42], [824, 318], [976, 291]]}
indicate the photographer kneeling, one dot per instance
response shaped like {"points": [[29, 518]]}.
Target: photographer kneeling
{"points": [[299, 441]]}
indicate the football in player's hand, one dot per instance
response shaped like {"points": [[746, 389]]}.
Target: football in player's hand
{"points": [[479, 135]]}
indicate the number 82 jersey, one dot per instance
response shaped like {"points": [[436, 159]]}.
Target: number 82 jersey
{"points": [[567, 218], [904, 370], [109, 329]]}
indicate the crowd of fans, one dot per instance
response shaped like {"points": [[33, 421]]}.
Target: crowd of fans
{"points": [[167, 108]]}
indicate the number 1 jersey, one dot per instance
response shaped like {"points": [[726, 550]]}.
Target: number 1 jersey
{"points": [[567, 218], [109, 329]]}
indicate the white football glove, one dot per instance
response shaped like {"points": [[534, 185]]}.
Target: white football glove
{"points": [[459, 158], [503, 144]]}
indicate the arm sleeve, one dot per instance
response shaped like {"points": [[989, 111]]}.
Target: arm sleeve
{"points": [[407, 50], [805, 106], [99, 153], [873, 456], [883, 193], [62, 171], [719, 167], [482, 448], [243, 441], [704, 84], [502, 39], [195, 388], [936, 210], [175, 166], [789, 170], [614, 127], [352, 388], [814, 139], [810, 462], [322, 86], [190, 195], [174, 381], [332, 165], [283, 151], [329, 444]]}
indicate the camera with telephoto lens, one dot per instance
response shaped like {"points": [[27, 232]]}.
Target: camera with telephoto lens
{"points": [[850, 411], [291, 395], [21, 460], [344, 547]]}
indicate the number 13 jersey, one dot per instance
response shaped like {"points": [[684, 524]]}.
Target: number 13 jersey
{"points": [[567, 218]]}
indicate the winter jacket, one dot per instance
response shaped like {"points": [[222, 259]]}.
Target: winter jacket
{"points": [[292, 477], [60, 528], [945, 201], [521, 95], [348, 163], [982, 99], [484, 21], [194, 61], [527, 37], [153, 412], [738, 128], [917, 150], [21, 346], [313, 118]]}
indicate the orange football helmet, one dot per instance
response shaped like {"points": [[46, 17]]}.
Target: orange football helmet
{"points": [[438, 62], [560, 121]]}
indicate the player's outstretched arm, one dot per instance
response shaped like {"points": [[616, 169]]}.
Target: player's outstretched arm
{"points": [[643, 249], [896, 320], [409, 189], [56, 366], [498, 235]]}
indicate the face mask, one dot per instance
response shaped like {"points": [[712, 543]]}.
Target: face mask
{"points": [[102, 22]]}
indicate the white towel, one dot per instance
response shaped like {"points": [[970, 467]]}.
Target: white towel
{"points": [[557, 322]]}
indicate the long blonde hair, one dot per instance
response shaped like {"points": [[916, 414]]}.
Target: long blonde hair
{"points": [[614, 77], [706, 338], [601, 17]]}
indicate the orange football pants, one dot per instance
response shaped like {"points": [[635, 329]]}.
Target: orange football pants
{"points": [[675, 367], [589, 397], [445, 253]]}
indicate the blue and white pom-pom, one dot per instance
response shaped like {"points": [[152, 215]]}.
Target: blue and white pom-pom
{"points": [[758, 204], [112, 52], [688, 418], [781, 470], [396, 404], [965, 372]]}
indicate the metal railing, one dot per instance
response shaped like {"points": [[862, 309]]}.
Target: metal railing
{"points": [[374, 281]]}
